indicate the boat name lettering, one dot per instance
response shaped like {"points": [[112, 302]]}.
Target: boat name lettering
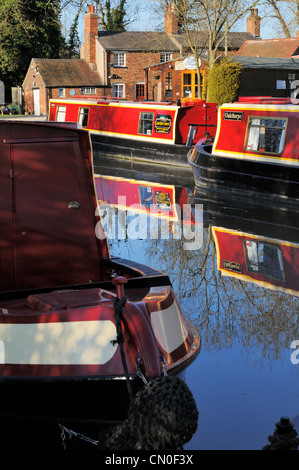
{"points": [[163, 124], [232, 266], [232, 116]]}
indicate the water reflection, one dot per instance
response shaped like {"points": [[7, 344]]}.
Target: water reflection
{"points": [[240, 287]]}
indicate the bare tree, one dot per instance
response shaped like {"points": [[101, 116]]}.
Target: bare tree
{"points": [[205, 24], [284, 14]]}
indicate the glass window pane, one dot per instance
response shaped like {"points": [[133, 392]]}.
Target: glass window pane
{"points": [[266, 135], [146, 123]]}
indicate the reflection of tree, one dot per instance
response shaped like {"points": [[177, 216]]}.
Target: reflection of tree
{"points": [[227, 310]]}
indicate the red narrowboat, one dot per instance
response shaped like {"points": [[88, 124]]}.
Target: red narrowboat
{"points": [[76, 325], [255, 149], [159, 133]]}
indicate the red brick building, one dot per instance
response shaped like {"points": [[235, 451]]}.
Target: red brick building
{"points": [[53, 78], [120, 64]]}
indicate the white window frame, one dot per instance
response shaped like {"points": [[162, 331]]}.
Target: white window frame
{"points": [[116, 87], [165, 56], [88, 90], [83, 116], [60, 113], [119, 59], [257, 126]]}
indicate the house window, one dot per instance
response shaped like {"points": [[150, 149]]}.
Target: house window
{"points": [[88, 90], [168, 85], [119, 59], [60, 114], [61, 92], [83, 116], [146, 123], [165, 56], [265, 135], [118, 90]]}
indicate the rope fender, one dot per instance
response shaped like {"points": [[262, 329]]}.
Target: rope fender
{"points": [[167, 414]]}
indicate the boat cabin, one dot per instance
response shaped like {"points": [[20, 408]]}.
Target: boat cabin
{"points": [[260, 129], [139, 121]]}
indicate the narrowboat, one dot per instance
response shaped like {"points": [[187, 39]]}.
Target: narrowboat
{"points": [[81, 332], [254, 152], [157, 133]]}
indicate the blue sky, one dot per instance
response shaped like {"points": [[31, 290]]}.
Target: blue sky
{"points": [[148, 20]]}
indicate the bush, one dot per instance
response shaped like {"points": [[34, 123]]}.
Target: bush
{"points": [[224, 81]]}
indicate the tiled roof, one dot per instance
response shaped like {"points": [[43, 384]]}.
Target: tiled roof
{"points": [[283, 47], [137, 41], [234, 39], [67, 72], [160, 41]]}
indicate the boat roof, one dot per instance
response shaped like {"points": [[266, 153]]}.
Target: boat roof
{"points": [[111, 102], [270, 101]]}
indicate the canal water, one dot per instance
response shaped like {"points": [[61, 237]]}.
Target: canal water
{"points": [[236, 275]]}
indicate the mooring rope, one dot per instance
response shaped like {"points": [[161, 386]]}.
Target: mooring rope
{"points": [[118, 305]]}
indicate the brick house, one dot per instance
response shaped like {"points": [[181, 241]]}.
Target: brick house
{"points": [[132, 72], [53, 78], [119, 64]]}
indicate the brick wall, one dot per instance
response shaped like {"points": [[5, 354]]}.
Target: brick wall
{"points": [[133, 72]]}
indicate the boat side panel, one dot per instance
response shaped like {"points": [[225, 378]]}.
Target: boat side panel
{"points": [[232, 132], [121, 119]]}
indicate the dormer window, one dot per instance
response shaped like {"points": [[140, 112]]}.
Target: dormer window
{"points": [[119, 59]]}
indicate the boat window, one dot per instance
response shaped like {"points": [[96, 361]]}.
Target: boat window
{"points": [[83, 116], [266, 134], [264, 258], [146, 123], [60, 114]]}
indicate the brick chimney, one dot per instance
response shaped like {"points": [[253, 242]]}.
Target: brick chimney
{"points": [[90, 34], [171, 21], [254, 23]]}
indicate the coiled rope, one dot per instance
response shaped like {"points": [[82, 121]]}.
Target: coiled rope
{"points": [[162, 415], [285, 437]]}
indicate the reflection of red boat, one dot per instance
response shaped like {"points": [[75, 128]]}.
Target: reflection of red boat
{"points": [[266, 261], [152, 132], [60, 335], [157, 199]]}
